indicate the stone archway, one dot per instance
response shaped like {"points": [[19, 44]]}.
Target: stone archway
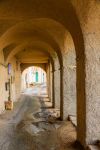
{"points": [[51, 10]]}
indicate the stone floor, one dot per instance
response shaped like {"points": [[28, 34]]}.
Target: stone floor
{"points": [[35, 125]]}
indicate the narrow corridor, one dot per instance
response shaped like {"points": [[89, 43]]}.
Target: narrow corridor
{"points": [[50, 73], [35, 125]]}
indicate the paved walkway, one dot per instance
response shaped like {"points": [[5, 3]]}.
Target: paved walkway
{"points": [[31, 126]]}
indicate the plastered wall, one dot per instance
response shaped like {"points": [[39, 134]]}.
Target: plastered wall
{"points": [[14, 81]]}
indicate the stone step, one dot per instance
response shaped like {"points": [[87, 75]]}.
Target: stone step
{"points": [[93, 147], [73, 119]]}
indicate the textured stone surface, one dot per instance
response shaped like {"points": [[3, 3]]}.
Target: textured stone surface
{"points": [[57, 88], [23, 23], [57, 84], [90, 20], [15, 85], [69, 79], [3, 79], [22, 129]]}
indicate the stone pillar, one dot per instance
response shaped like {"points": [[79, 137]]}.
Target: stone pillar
{"points": [[57, 81], [69, 84], [89, 110], [50, 82], [68, 100], [48, 79], [53, 90], [57, 88], [18, 81]]}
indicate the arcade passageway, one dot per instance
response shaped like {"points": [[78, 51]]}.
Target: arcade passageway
{"points": [[33, 125], [60, 42]]}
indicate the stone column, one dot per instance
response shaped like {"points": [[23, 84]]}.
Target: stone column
{"points": [[53, 90], [48, 79], [57, 88], [57, 82], [68, 99], [69, 84], [89, 109], [50, 82]]}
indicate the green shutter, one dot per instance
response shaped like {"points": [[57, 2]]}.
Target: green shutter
{"points": [[36, 76]]}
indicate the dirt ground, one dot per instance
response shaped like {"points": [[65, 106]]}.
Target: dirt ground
{"points": [[34, 125]]}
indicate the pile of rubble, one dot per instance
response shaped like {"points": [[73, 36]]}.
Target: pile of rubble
{"points": [[45, 120]]}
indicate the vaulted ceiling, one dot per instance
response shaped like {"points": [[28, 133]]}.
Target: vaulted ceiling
{"points": [[35, 30]]}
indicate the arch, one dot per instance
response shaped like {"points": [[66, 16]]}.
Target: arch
{"points": [[27, 65], [55, 47], [29, 76], [35, 45], [38, 35], [60, 12]]}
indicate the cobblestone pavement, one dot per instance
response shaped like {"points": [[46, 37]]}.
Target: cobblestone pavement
{"points": [[31, 126]]}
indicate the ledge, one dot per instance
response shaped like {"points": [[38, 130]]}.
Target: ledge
{"points": [[93, 147]]}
